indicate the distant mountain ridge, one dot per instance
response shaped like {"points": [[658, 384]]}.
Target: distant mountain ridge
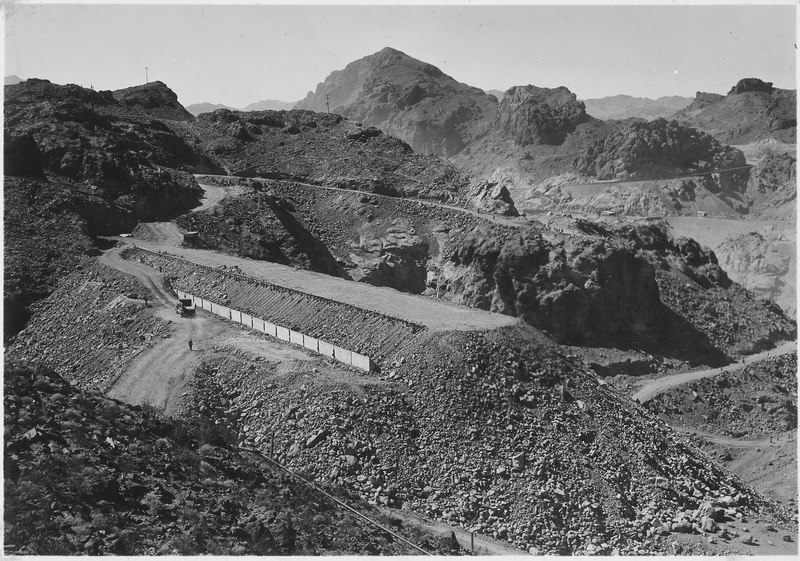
{"points": [[205, 107], [263, 105], [625, 107]]}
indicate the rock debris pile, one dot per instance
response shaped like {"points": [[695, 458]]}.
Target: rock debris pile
{"points": [[759, 400], [486, 431], [90, 327]]}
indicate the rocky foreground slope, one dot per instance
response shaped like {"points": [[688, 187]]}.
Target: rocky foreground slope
{"points": [[88, 475]]}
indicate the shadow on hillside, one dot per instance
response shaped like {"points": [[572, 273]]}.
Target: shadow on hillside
{"points": [[678, 339]]}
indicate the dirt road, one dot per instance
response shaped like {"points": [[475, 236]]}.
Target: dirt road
{"points": [[158, 375], [774, 440], [514, 222], [652, 389]]}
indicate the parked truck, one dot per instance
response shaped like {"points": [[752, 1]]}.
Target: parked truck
{"points": [[185, 307]]}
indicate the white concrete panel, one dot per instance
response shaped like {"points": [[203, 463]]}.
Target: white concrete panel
{"points": [[282, 333], [360, 361], [325, 348]]}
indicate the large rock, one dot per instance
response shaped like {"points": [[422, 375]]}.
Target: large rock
{"points": [[751, 85], [532, 115], [494, 198]]}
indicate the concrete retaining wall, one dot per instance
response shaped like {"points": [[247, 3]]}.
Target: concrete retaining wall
{"points": [[311, 343], [296, 337], [361, 362], [247, 320], [345, 356], [282, 333], [325, 348]]}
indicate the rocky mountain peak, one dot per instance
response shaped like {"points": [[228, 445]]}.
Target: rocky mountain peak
{"points": [[407, 98], [533, 115]]}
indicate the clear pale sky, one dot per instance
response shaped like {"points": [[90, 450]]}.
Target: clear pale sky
{"points": [[241, 54]]}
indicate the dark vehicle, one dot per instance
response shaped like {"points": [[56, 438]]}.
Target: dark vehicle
{"points": [[185, 307]]}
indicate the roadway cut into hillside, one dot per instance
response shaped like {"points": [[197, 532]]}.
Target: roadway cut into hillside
{"points": [[158, 376], [652, 389]]}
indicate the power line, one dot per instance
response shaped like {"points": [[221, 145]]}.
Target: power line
{"points": [[345, 505]]}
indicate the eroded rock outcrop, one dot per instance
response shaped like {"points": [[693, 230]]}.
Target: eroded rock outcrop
{"points": [[532, 115], [586, 291], [493, 197], [656, 149]]}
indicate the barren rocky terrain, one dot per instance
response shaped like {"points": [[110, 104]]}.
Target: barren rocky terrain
{"points": [[476, 416]]}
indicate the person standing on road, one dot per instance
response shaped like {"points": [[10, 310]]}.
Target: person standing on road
{"points": [[190, 344]]}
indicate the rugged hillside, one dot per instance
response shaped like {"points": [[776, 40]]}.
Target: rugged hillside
{"points": [[88, 475], [752, 110], [409, 99], [625, 107], [656, 149], [81, 163], [110, 145], [324, 150], [772, 187]]}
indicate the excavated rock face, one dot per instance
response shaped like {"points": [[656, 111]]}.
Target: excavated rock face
{"points": [[531, 115], [751, 85], [406, 98], [655, 149], [396, 259], [588, 291]]}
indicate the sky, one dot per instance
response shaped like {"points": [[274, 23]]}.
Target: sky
{"points": [[238, 55]]}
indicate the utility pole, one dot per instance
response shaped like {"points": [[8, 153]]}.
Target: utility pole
{"points": [[328, 103], [146, 79]]}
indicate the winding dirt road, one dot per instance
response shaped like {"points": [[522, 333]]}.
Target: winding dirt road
{"points": [[652, 389]]}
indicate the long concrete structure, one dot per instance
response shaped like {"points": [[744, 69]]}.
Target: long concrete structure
{"points": [[345, 356]]}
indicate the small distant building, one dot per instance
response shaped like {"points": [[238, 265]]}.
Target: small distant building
{"points": [[702, 213], [609, 213], [189, 237]]}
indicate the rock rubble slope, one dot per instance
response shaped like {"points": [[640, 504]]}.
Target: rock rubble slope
{"points": [[493, 433]]}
